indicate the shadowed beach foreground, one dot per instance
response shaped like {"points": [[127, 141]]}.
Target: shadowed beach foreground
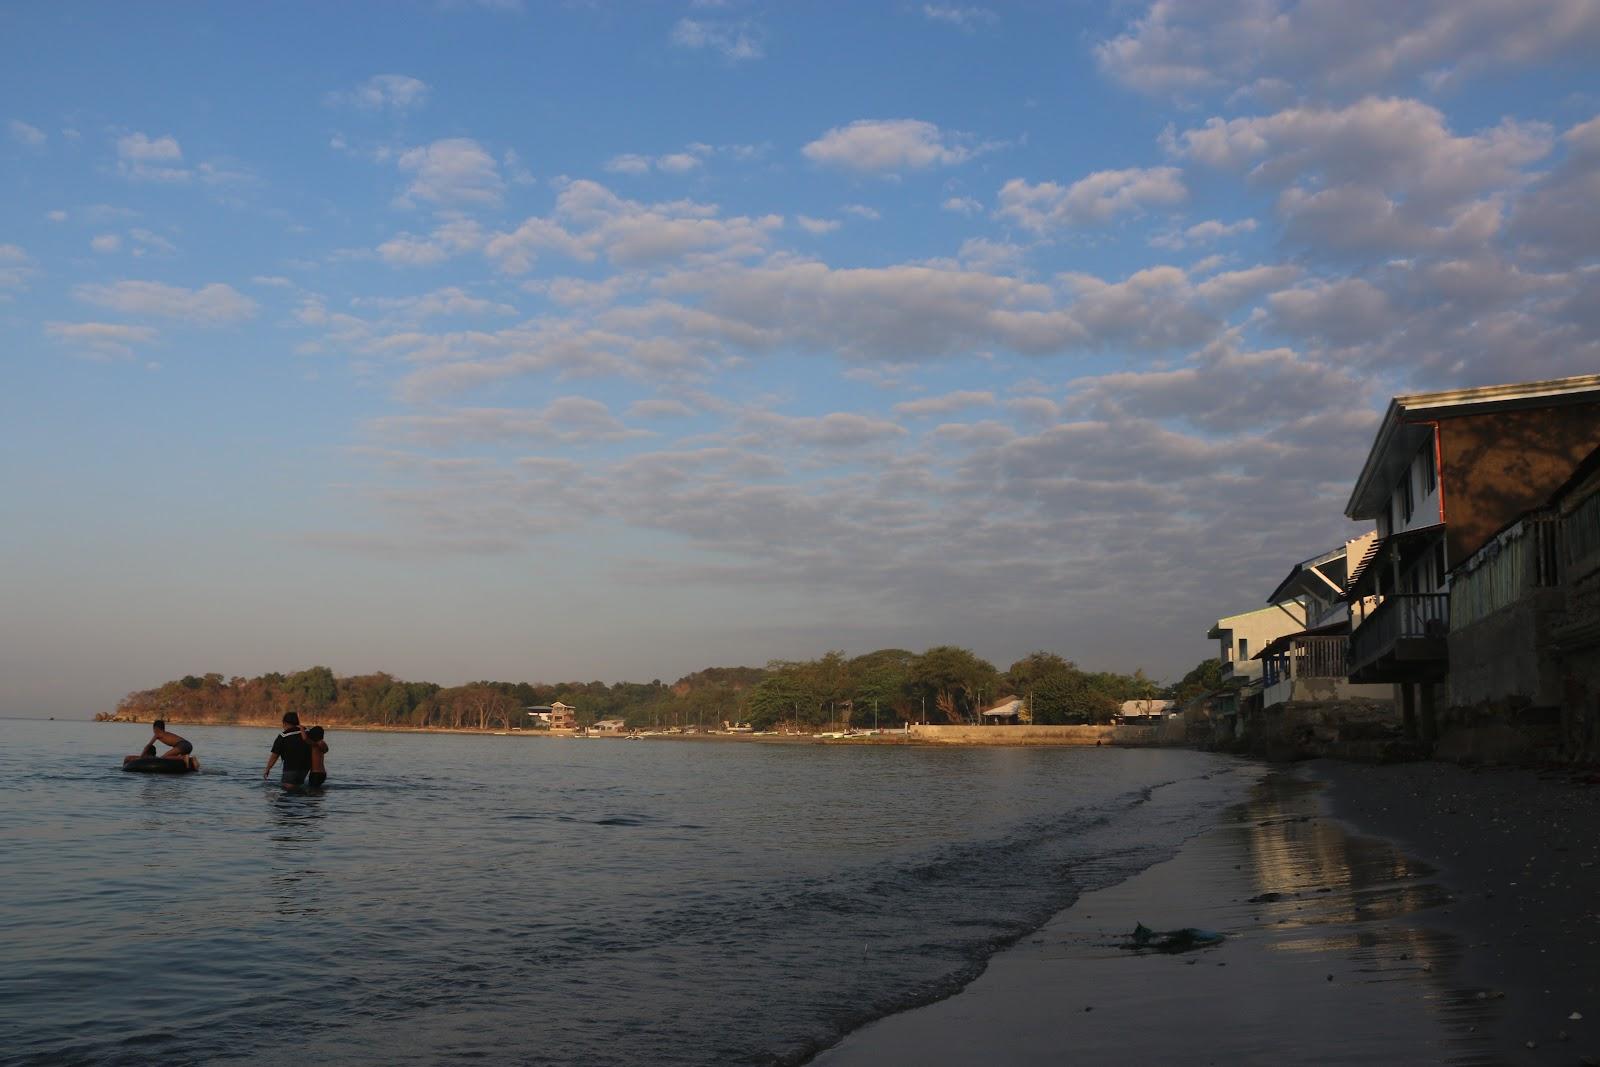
{"points": [[1412, 914]]}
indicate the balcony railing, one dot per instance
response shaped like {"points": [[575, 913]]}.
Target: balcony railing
{"points": [[1309, 657], [1406, 626]]}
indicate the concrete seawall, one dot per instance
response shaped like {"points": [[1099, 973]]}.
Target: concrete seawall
{"points": [[1036, 735]]}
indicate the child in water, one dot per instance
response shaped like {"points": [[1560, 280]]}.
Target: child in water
{"points": [[319, 749]]}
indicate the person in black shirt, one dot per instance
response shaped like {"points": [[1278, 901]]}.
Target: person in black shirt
{"points": [[291, 747]]}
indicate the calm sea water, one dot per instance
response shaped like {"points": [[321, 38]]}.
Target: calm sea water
{"points": [[539, 900]]}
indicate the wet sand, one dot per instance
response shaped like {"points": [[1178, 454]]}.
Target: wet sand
{"points": [[1414, 914]]}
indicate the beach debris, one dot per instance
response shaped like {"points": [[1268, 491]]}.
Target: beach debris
{"points": [[1266, 898], [1575, 1016], [1144, 939]]}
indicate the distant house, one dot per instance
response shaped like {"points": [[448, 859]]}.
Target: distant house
{"points": [[1145, 712], [539, 713], [1010, 710], [563, 717], [610, 726], [1446, 472]]}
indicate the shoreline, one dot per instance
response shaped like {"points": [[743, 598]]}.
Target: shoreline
{"points": [[1445, 909], [882, 737]]}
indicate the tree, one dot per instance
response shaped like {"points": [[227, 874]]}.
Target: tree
{"points": [[1206, 677], [952, 678]]}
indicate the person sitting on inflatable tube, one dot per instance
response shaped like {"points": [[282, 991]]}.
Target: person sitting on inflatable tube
{"points": [[181, 749]]}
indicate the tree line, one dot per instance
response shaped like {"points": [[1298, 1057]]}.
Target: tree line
{"points": [[888, 687]]}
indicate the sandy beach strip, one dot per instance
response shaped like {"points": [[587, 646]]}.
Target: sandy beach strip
{"points": [[1413, 914]]}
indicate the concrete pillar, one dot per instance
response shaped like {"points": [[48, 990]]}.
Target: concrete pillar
{"points": [[1408, 709], [1430, 720]]}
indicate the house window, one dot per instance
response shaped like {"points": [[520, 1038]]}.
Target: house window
{"points": [[1244, 648], [1407, 504], [1430, 470]]}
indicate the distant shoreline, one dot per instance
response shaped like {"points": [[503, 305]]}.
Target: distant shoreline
{"points": [[986, 737]]}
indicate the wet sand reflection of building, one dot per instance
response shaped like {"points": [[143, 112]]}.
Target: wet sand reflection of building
{"points": [[1324, 890]]}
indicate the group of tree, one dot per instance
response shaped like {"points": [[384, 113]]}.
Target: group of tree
{"points": [[889, 687]]}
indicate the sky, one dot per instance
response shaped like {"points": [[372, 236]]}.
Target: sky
{"points": [[609, 340]]}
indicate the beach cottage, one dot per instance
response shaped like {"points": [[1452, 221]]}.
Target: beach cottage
{"points": [[1310, 664]]}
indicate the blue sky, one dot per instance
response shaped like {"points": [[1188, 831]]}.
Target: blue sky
{"points": [[557, 341]]}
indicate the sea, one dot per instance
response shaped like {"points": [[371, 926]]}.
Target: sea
{"points": [[537, 900]]}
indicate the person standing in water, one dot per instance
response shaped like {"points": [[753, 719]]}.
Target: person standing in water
{"points": [[319, 749], [290, 746]]}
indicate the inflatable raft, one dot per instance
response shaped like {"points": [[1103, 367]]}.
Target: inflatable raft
{"points": [[157, 765]]}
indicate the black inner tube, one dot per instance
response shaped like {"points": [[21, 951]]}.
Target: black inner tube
{"points": [[157, 765]]}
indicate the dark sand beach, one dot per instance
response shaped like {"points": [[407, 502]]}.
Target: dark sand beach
{"points": [[1422, 913]]}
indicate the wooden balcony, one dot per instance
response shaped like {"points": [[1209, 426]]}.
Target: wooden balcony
{"points": [[1405, 639]]}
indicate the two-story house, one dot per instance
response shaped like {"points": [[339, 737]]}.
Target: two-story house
{"points": [[1312, 664], [1241, 637], [1447, 471]]}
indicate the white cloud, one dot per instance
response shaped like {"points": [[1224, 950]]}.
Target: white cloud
{"points": [[567, 420], [886, 145], [816, 226], [445, 242], [690, 159], [963, 18], [1557, 219], [104, 340], [1340, 46], [455, 170], [735, 41], [861, 211], [661, 408], [962, 205], [629, 163], [148, 241], [840, 430], [1379, 174], [1091, 201], [590, 219], [678, 162], [946, 404], [106, 242], [383, 92], [441, 302], [15, 266], [57, 216], [212, 304], [23, 133], [157, 159], [1213, 229]]}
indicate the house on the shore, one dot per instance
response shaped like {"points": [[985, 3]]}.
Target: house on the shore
{"points": [[1446, 473], [1008, 711], [1311, 664], [1524, 637], [1149, 712], [557, 716], [610, 726], [1240, 637]]}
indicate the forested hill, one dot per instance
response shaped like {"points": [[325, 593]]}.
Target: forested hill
{"points": [[889, 686]]}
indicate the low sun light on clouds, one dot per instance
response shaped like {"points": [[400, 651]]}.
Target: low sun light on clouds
{"points": [[529, 342]]}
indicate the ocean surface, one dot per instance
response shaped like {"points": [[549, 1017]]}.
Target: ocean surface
{"points": [[529, 900]]}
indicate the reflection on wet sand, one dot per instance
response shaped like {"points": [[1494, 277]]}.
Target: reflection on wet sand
{"points": [[1331, 952], [1330, 892]]}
